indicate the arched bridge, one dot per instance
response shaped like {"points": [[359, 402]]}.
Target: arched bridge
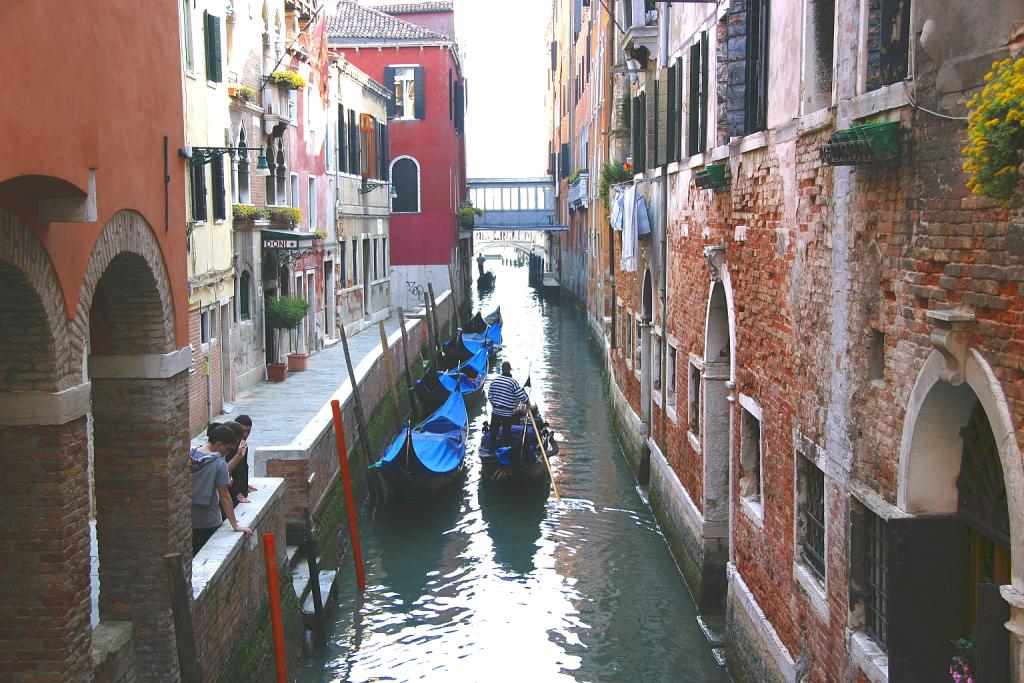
{"points": [[518, 213]]}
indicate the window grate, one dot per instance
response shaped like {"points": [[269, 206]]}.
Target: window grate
{"points": [[876, 600], [814, 519]]}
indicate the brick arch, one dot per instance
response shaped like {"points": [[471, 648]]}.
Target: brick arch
{"points": [[31, 314], [128, 268]]}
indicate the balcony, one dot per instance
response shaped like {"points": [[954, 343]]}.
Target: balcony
{"points": [[640, 41], [579, 197], [278, 107]]}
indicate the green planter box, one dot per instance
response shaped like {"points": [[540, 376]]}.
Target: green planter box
{"points": [[871, 143], [713, 177]]}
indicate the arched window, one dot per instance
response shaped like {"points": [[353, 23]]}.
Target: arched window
{"points": [[242, 176], [405, 182], [245, 296]]}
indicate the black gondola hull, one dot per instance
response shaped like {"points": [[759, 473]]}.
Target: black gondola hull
{"points": [[397, 485]]}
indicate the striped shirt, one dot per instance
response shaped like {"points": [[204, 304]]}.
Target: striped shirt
{"points": [[505, 395]]}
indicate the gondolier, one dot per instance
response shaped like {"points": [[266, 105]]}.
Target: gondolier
{"points": [[480, 264], [505, 395]]}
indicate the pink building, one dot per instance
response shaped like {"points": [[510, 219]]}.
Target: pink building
{"points": [[412, 51]]}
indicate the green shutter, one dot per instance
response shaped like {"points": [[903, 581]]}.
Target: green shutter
{"points": [[218, 75], [207, 45], [219, 198]]}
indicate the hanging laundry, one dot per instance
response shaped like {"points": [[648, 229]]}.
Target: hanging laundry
{"points": [[628, 261], [641, 217], [616, 206]]}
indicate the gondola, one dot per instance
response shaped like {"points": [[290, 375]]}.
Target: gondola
{"points": [[468, 377], [494, 317], [456, 351], [486, 280], [477, 333], [518, 462], [425, 459]]}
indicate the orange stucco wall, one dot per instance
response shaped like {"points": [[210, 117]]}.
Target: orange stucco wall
{"points": [[103, 90]]}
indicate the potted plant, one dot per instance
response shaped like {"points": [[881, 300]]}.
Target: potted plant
{"points": [[242, 93], [994, 149], [286, 214], [319, 235], [468, 214], [612, 173], [283, 314], [289, 79], [247, 213]]}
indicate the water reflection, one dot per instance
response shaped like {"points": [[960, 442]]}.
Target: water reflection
{"points": [[488, 585]]}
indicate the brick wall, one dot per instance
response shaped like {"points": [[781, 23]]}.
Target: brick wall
{"points": [[229, 582], [203, 392]]}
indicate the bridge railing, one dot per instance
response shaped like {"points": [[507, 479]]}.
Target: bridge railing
{"points": [[513, 201]]}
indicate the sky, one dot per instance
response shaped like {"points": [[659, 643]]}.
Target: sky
{"points": [[504, 51], [505, 60]]}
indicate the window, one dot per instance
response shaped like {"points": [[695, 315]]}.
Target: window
{"points": [[277, 180], [376, 273], [755, 93], [198, 182], [629, 337], [353, 143], [243, 176], [888, 40], [750, 456], [293, 105], [639, 133], [381, 169], [697, 100], [294, 190], [245, 296], [876, 356], [367, 145], [656, 362], [355, 259], [220, 205], [869, 578], [670, 378], [207, 325], [342, 263], [307, 103], [186, 34], [405, 93], [819, 41], [637, 343], [342, 141], [384, 254], [811, 519], [693, 399], [311, 204], [405, 183], [211, 29]]}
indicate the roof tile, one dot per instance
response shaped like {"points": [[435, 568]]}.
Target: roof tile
{"points": [[356, 21]]}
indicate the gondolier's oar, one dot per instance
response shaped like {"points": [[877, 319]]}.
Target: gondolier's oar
{"points": [[540, 442]]}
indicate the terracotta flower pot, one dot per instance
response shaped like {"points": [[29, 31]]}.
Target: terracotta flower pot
{"points": [[277, 372], [297, 362]]}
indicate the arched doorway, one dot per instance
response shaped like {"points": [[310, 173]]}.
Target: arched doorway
{"points": [[139, 435], [643, 361], [716, 379], [44, 511], [947, 561]]}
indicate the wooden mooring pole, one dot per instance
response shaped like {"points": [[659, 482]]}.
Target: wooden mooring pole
{"points": [[455, 298], [389, 370], [274, 593], [181, 612], [364, 433], [405, 354], [350, 503]]}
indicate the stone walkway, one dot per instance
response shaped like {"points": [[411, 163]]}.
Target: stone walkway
{"points": [[279, 411]]}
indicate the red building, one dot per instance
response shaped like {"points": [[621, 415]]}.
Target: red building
{"points": [[94, 342], [411, 50]]}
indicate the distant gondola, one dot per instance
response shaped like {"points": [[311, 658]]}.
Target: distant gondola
{"points": [[486, 280], [428, 458], [518, 462]]}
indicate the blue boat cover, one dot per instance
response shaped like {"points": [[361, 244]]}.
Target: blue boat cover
{"points": [[434, 453], [494, 316], [466, 385], [450, 417], [494, 333], [474, 341]]}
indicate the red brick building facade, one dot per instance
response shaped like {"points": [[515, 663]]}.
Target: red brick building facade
{"points": [[815, 364]]}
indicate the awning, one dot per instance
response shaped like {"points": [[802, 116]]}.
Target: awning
{"points": [[286, 239]]}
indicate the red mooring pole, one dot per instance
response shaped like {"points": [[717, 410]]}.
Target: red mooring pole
{"points": [[274, 591], [350, 503]]}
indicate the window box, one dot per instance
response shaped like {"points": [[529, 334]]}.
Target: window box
{"points": [[870, 143], [713, 177], [578, 196]]}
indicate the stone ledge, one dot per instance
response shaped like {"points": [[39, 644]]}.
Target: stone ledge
{"points": [[867, 656], [140, 366], [772, 644], [108, 639], [226, 543], [19, 408]]}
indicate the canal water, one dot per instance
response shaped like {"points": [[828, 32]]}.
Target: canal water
{"points": [[479, 586]]}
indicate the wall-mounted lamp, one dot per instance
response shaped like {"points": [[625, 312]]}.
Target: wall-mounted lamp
{"points": [[200, 156], [370, 185]]}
